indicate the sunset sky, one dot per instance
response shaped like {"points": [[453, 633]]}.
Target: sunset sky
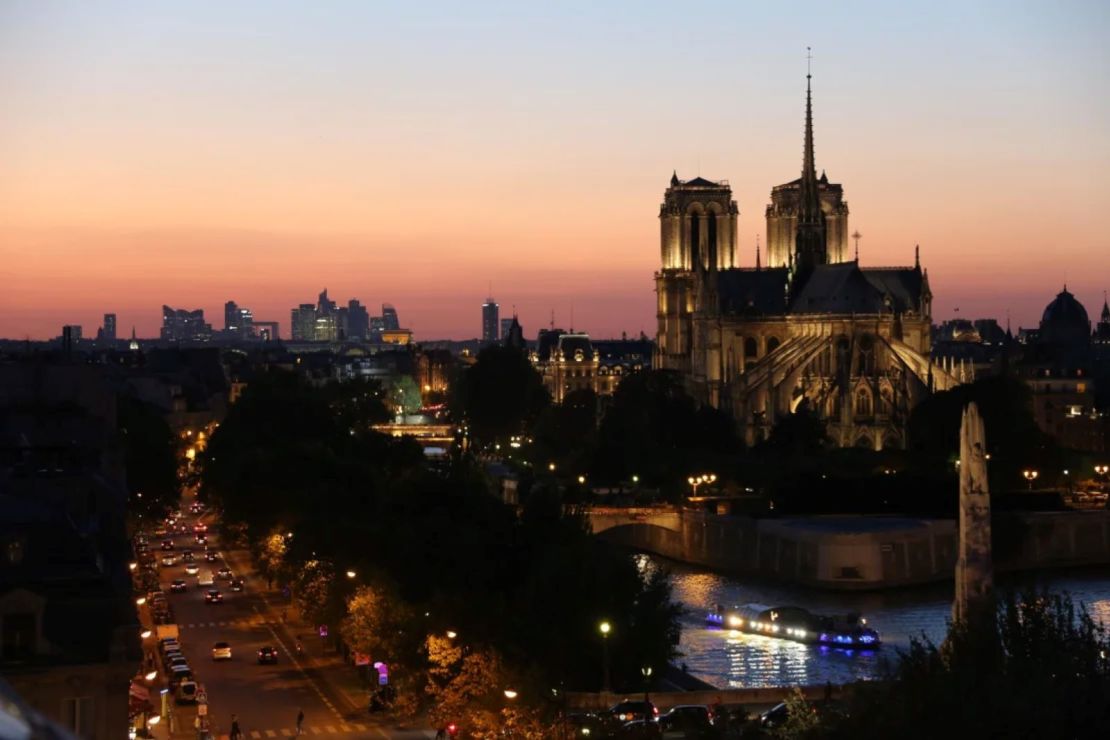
{"points": [[416, 153]]}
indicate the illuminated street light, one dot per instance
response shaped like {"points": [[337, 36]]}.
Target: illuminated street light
{"points": [[1030, 476], [700, 480], [635, 479], [132, 566], [140, 601], [510, 694], [151, 676], [351, 574], [452, 634], [154, 720], [551, 467], [145, 634], [581, 479]]}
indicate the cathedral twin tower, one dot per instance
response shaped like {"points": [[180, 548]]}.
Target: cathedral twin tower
{"points": [[808, 327]]}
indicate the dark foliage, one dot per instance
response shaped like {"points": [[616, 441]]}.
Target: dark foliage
{"points": [[500, 395], [150, 456]]}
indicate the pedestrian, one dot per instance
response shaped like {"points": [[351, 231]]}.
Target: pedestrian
{"points": [[236, 733], [300, 720]]}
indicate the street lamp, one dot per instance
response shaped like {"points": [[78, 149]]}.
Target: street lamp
{"points": [[646, 673], [351, 574], [581, 480], [145, 634], [551, 467], [510, 694], [604, 628], [699, 480], [140, 601], [635, 479], [151, 676], [452, 634], [1030, 476]]}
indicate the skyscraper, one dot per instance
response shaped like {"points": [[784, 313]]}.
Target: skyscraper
{"points": [[490, 326], [390, 321], [108, 331], [303, 323], [358, 320], [238, 322], [181, 325]]}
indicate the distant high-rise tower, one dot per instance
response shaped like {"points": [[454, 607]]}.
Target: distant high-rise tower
{"points": [[181, 325], [390, 321], [108, 333], [303, 323], [238, 322], [358, 321], [491, 329]]}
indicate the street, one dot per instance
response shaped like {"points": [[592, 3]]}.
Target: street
{"points": [[265, 698]]}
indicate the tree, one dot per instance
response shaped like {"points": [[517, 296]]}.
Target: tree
{"points": [[317, 594], [380, 624], [500, 395], [1039, 668], [150, 457], [799, 433], [403, 395]]}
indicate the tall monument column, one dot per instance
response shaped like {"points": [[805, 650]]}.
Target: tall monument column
{"points": [[974, 572]]}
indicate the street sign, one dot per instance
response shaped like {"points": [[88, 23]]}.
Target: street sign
{"points": [[202, 709], [202, 695]]}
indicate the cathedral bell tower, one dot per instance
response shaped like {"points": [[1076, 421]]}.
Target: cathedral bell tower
{"points": [[697, 221]]}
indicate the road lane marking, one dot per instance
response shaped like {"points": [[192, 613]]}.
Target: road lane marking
{"points": [[360, 727], [315, 730], [331, 729], [286, 732], [271, 733], [256, 734]]}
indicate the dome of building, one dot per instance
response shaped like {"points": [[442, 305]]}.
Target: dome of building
{"points": [[1065, 320]]}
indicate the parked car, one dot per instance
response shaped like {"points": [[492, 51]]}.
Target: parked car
{"points": [[627, 711], [186, 692], [640, 729], [775, 716], [221, 651], [178, 674], [687, 718]]}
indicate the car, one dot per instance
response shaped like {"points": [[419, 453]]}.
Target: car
{"points": [[188, 557], [221, 651], [628, 711], [267, 654], [211, 556], [186, 692], [182, 529], [195, 508], [192, 569], [224, 574], [638, 729], [213, 596], [168, 560], [205, 579], [202, 540], [179, 673], [166, 642], [237, 584], [170, 648], [167, 544], [177, 585], [176, 660], [687, 717], [200, 528], [775, 716]]}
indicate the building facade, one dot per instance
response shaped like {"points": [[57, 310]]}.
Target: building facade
{"points": [[811, 327], [491, 327], [181, 325]]}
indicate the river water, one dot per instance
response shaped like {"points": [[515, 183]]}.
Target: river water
{"points": [[738, 660]]}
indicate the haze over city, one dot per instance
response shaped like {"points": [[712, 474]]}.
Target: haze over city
{"points": [[420, 155]]}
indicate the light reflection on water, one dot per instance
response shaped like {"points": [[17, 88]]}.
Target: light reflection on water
{"points": [[738, 660]]}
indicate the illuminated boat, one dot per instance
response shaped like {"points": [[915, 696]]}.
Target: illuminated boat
{"points": [[795, 623]]}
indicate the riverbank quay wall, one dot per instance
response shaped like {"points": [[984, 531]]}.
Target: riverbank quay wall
{"points": [[852, 553], [664, 700]]}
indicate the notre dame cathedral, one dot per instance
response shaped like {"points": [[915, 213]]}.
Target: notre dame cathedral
{"points": [[811, 326]]}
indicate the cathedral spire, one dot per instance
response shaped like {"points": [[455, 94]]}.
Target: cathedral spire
{"points": [[757, 265], [810, 246], [917, 256]]}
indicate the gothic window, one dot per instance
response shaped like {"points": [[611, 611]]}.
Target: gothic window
{"points": [[863, 402], [864, 443], [772, 344], [751, 349], [866, 355]]}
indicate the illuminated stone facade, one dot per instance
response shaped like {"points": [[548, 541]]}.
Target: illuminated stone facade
{"points": [[852, 343]]}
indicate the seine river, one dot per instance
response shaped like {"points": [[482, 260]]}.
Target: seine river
{"points": [[738, 660]]}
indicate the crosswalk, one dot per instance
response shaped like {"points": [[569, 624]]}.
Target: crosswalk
{"points": [[309, 730]]}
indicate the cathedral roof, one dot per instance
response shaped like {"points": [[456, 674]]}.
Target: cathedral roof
{"points": [[845, 288], [701, 182], [752, 292]]}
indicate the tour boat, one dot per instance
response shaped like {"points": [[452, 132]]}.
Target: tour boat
{"points": [[795, 623]]}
